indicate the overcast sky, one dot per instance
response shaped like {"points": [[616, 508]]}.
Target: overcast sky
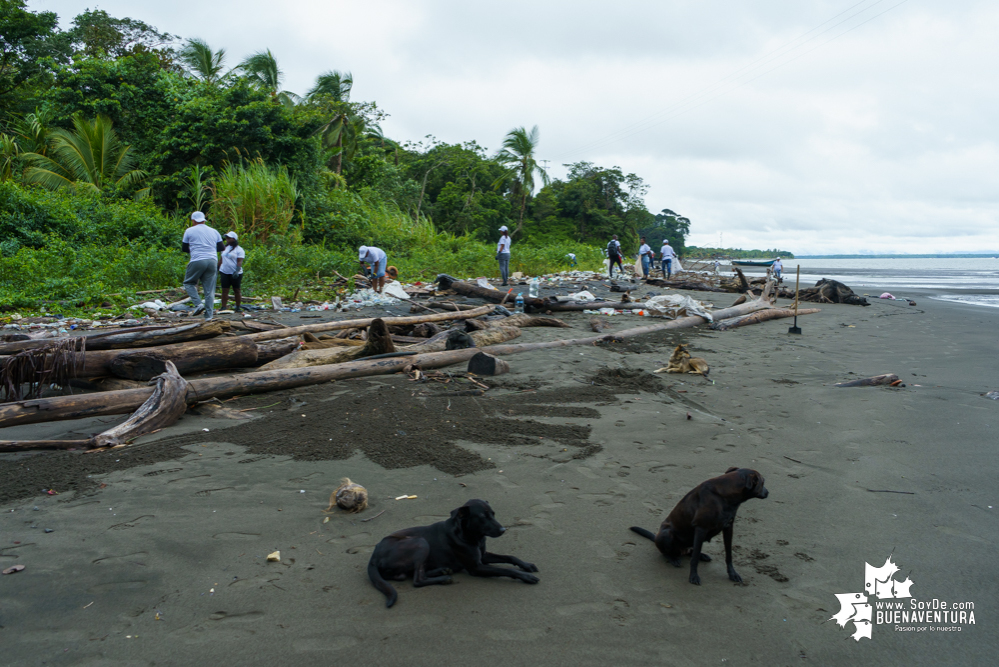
{"points": [[830, 126]]}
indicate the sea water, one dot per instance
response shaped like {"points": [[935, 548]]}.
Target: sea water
{"points": [[971, 280]]}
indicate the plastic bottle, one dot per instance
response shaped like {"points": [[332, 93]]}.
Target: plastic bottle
{"points": [[533, 288], [520, 302]]}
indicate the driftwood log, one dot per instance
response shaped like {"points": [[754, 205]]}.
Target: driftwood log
{"points": [[760, 316], [192, 357], [163, 408], [353, 324], [487, 364], [379, 341], [122, 402], [130, 338], [887, 378], [269, 350]]}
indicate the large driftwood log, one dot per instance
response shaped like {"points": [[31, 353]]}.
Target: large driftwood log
{"points": [[163, 408], [379, 342], [760, 316], [130, 338], [269, 350], [192, 357], [352, 324], [522, 320], [122, 402]]}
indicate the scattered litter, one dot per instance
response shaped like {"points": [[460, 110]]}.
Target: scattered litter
{"points": [[274, 557], [405, 497], [994, 395], [887, 295], [205, 430], [483, 283], [276, 302], [326, 519], [675, 305], [394, 289], [373, 517], [349, 496], [13, 568], [49, 530], [585, 295]]}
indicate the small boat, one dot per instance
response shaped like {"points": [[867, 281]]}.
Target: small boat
{"points": [[754, 262]]}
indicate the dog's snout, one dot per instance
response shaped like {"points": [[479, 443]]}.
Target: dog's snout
{"points": [[764, 493], [502, 530]]}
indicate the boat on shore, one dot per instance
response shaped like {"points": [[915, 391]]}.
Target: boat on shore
{"points": [[754, 262]]}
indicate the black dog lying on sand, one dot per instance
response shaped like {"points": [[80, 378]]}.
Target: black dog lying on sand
{"points": [[430, 554], [707, 510]]}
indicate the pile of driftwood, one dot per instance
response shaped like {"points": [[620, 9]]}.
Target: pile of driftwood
{"points": [[117, 367]]}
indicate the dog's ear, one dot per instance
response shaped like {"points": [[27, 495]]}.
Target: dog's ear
{"points": [[753, 481], [460, 513], [730, 470]]}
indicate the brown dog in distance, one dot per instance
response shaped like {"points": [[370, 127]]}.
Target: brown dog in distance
{"points": [[707, 510], [681, 362]]}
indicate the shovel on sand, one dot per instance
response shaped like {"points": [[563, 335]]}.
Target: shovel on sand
{"points": [[795, 329]]}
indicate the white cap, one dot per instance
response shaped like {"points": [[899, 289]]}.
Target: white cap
{"points": [[232, 235], [198, 216], [503, 228], [363, 250]]}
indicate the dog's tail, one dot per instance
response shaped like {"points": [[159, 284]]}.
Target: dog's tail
{"points": [[385, 587], [643, 533]]}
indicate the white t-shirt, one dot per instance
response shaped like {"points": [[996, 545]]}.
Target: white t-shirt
{"points": [[229, 257], [644, 250], [667, 251], [203, 241], [503, 245], [374, 255]]}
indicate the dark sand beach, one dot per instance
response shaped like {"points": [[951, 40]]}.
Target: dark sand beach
{"points": [[157, 553]]}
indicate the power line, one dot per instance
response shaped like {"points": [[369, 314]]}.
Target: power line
{"points": [[712, 91]]}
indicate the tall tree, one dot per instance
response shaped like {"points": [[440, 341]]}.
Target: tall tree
{"points": [[201, 61], [98, 34], [334, 83], [517, 157], [262, 69], [91, 156], [27, 41]]}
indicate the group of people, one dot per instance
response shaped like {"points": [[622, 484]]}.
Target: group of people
{"points": [[647, 255]]}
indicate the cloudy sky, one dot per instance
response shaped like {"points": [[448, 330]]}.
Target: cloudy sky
{"points": [[827, 126]]}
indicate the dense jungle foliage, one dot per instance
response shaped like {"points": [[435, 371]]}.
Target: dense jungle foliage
{"points": [[112, 133]]}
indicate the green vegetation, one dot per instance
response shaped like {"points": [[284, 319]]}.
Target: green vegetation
{"points": [[695, 252], [112, 133]]}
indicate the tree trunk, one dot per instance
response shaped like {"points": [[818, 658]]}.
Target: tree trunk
{"points": [[269, 350], [193, 357], [760, 316], [351, 324], [130, 338], [162, 409], [122, 402]]}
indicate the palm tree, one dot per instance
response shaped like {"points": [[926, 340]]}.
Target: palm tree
{"points": [[201, 61], [517, 157], [334, 83], [91, 156], [262, 69]]}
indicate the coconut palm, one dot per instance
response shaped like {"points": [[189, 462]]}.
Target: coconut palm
{"points": [[334, 83], [517, 158], [262, 69], [10, 154], [90, 156], [199, 59]]}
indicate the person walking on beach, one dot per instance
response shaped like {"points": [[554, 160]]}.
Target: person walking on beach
{"points": [[667, 259], [231, 270], [203, 244], [503, 254], [614, 255], [645, 252], [778, 268], [377, 260]]}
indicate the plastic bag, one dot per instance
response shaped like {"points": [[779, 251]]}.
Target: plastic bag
{"points": [[675, 305]]}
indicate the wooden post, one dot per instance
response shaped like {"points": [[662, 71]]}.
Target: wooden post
{"points": [[797, 280]]}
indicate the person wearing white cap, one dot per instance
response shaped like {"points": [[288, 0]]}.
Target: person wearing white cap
{"points": [[231, 270], [203, 244], [503, 254], [376, 259]]}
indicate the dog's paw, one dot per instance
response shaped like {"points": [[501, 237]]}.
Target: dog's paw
{"points": [[529, 567], [695, 579], [446, 580], [675, 562], [529, 579], [706, 558], [734, 576]]}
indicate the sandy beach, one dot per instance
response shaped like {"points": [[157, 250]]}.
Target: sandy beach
{"points": [[157, 553]]}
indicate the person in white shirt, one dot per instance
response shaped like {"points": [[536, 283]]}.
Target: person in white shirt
{"points": [[203, 244], [778, 269], [667, 254], [503, 254], [231, 270], [376, 259], [572, 259], [645, 252]]}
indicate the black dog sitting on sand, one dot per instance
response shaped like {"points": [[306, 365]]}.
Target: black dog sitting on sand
{"points": [[430, 554], [707, 510]]}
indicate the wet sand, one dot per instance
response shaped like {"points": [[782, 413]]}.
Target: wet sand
{"points": [[157, 554]]}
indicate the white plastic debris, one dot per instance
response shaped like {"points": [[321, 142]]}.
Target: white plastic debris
{"points": [[395, 289], [151, 305], [483, 283], [585, 295], [675, 305]]}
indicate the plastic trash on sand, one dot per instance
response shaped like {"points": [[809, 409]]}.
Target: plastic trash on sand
{"points": [[675, 305], [395, 289], [369, 297], [887, 295], [483, 283], [585, 295], [152, 305]]}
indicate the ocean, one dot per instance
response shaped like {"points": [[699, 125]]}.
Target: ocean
{"points": [[973, 281]]}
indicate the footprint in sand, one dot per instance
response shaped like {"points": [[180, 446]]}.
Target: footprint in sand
{"points": [[106, 559], [207, 492], [244, 617], [324, 643], [524, 635], [601, 549], [602, 583]]}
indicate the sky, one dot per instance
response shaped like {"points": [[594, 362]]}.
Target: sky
{"points": [[819, 127]]}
